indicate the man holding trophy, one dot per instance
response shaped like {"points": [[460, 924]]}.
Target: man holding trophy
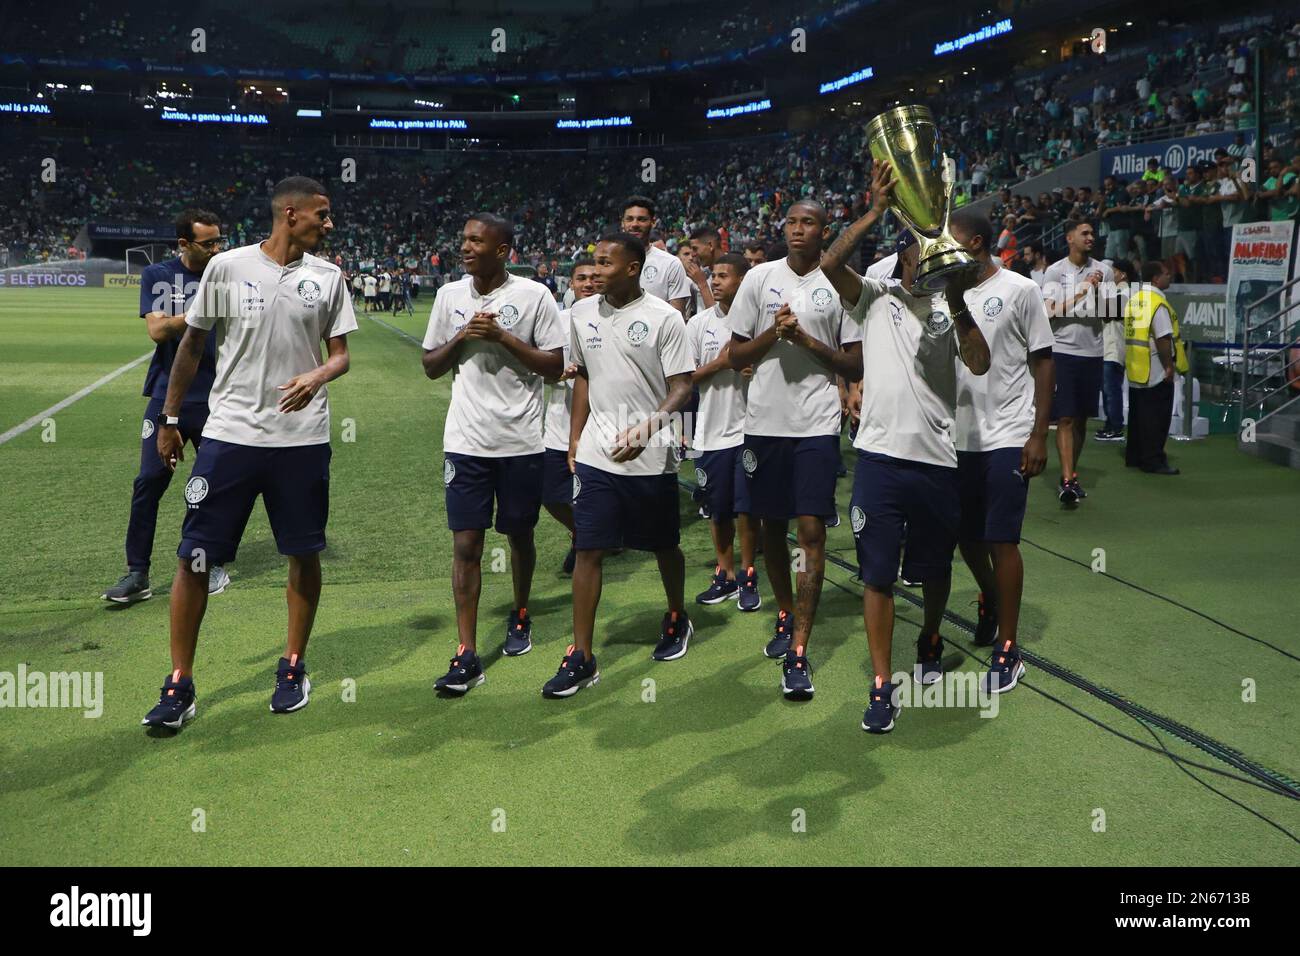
{"points": [[905, 484]]}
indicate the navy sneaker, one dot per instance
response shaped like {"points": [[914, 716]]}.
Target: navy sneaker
{"points": [[986, 628], [674, 635], [833, 521], [929, 659], [796, 675], [1077, 488], [1107, 434], [131, 587], [466, 671], [1066, 493], [175, 704], [749, 598], [519, 633], [575, 673], [780, 643], [1006, 669], [570, 560], [292, 688], [881, 711], [721, 588]]}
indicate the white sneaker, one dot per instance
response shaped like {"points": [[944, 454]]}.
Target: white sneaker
{"points": [[218, 580]]}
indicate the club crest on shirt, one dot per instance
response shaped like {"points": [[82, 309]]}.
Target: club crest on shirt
{"points": [[147, 430], [309, 290], [749, 461], [821, 298], [858, 518], [577, 487], [448, 471], [508, 316], [938, 323], [196, 490], [701, 477], [637, 332], [992, 306], [650, 273]]}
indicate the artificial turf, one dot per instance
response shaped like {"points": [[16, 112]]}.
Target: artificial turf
{"points": [[707, 764]]}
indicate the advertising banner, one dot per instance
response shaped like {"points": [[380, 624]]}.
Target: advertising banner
{"points": [[1127, 162], [1260, 263]]}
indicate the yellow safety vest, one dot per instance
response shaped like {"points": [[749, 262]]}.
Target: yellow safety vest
{"points": [[1138, 313]]}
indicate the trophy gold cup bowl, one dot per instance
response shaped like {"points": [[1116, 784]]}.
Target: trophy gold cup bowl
{"points": [[908, 140]]}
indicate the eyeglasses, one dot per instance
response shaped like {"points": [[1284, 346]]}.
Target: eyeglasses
{"points": [[208, 243]]}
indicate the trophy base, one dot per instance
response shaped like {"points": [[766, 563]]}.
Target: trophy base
{"points": [[938, 264]]}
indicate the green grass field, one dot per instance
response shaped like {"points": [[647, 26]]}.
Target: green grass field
{"points": [[713, 771]]}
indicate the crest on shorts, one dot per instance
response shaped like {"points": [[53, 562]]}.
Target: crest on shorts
{"points": [[938, 323], [650, 273], [821, 298], [992, 306], [749, 461], [508, 316], [448, 471], [147, 430], [701, 477], [196, 490], [858, 518], [577, 487], [309, 290], [637, 332]]}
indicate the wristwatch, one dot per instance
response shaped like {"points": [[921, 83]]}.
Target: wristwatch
{"points": [[172, 420]]}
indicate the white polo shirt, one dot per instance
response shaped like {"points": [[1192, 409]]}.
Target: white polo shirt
{"points": [[996, 410], [269, 321], [720, 421], [791, 394], [559, 399], [628, 354], [496, 401], [909, 382], [1078, 331], [663, 275]]}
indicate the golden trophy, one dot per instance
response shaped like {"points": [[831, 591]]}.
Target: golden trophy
{"points": [[908, 140]]}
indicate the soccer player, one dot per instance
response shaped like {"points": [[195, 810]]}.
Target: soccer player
{"points": [[385, 290], [905, 484], [557, 488], [634, 376], [663, 275], [1079, 292], [755, 253], [787, 323], [166, 289], [719, 437], [501, 335], [268, 430], [1001, 438]]}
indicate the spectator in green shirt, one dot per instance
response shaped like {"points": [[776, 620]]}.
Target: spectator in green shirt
{"points": [[1281, 191], [1189, 240], [1154, 171]]}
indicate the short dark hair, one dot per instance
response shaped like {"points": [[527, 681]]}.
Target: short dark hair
{"points": [[814, 205], [706, 232], [975, 224], [645, 202], [502, 227], [1152, 269], [631, 243], [186, 219], [1126, 267], [755, 246], [294, 186], [1072, 224], [583, 261], [735, 260]]}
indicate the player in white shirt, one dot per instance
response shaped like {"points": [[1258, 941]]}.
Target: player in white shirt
{"points": [[905, 484], [1080, 295], [720, 437], [557, 482], [501, 335], [268, 429], [663, 275], [634, 377], [385, 290], [1002, 424], [786, 322], [371, 285]]}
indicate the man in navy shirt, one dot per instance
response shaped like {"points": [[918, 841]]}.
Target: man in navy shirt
{"points": [[166, 289]]}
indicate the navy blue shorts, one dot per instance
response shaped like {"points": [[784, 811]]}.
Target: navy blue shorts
{"points": [[789, 477], [193, 416], [721, 476], [993, 494], [896, 501], [624, 511], [227, 478], [1078, 386], [473, 481], [557, 480]]}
